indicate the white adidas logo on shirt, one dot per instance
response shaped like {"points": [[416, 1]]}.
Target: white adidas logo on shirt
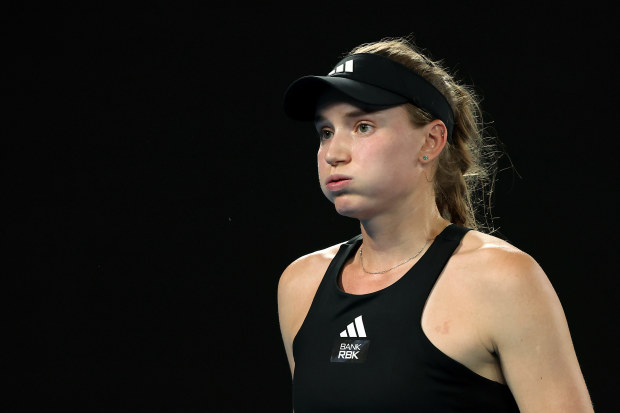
{"points": [[355, 329], [345, 67]]}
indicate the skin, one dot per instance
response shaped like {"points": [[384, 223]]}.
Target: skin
{"points": [[493, 308]]}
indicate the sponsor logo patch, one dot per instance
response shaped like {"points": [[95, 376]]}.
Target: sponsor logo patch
{"points": [[350, 350]]}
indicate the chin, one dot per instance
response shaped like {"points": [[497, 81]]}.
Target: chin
{"points": [[346, 213], [349, 209]]}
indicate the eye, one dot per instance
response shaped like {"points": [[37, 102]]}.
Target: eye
{"points": [[325, 134], [364, 127]]}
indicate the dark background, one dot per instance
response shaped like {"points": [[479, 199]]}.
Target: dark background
{"points": [[155, 190]]}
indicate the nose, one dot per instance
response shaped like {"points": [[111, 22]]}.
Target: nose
{"points": [[338, 149]]}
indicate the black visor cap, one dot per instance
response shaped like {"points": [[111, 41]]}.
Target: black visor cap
{"points": [[301, 98], [370, 79]]}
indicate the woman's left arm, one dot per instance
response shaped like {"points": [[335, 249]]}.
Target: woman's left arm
{"points": [[530, 334]]}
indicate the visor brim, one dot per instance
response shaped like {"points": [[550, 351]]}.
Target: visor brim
{"points": [[301, 97]]}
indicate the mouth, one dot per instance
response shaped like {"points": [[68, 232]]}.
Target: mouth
{"points": [[337, 182]]}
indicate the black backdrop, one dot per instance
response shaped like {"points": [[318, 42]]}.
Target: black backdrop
{"points": [[156, 191]]}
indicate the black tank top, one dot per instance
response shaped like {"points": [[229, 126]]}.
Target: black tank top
{"points": [[368, 352]]}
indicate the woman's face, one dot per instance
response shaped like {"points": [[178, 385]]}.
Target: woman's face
{"points": [[368, 162]]}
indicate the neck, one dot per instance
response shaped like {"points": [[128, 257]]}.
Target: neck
{"points": [[392, 237]]}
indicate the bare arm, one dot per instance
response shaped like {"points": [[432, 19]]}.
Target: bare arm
{"points": [[296, 288], [287, 313], [529, 332]]}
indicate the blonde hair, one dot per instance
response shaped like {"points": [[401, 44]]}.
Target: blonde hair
{"points": [[464, 177]]}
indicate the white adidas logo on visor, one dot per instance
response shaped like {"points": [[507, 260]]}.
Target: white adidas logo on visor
{"points": [[345, 67], [355, 329]]}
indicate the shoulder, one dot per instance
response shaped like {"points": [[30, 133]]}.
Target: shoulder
{"points": [[504, 282], [520, 318], [307, 269], [496, 261], [297, 286], [508, 284]]}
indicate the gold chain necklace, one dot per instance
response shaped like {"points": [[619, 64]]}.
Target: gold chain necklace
{"points": [[397, 265]]}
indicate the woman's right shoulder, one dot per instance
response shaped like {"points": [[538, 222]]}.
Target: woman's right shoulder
{"points": [[296, 289], [308, 269]]}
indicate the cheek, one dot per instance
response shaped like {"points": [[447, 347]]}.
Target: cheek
{"points": [[391, 163], [322, 166], [320, 159], [389, 156]]}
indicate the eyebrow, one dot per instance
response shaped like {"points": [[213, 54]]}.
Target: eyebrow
{"points": [[352, 114]]}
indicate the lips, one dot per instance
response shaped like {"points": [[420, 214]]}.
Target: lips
{"points": [[337, 182]]}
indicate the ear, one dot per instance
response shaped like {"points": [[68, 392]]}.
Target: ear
{"points": [[436, 136]]}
